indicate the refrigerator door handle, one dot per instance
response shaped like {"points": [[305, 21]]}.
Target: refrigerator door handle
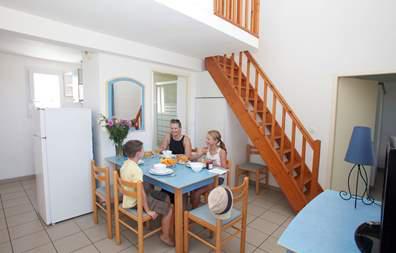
{"points": [[36, 135]]}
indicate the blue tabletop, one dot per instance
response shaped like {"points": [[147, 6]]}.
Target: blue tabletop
{"points": [[327, 225], [184, 179]]}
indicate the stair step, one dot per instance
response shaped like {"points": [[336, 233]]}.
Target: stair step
{"points": [[292, 166], [307, 180]]}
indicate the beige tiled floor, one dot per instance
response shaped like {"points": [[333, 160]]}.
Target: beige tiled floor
{"points": [[21, 229]]}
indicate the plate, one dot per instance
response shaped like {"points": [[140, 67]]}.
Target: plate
{"points": [[140, 162], [162, 172]]}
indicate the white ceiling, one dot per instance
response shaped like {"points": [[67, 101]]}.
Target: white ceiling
{"points": [[145, 21], [12, 43]]}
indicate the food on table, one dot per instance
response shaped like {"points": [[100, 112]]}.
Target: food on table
{"points": [[148, 154], [168, 161], [182, 159]]}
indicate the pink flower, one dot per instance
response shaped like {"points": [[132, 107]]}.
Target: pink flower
{"points": [[110, 123]]}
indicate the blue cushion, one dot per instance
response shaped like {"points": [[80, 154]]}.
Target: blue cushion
{"points": [[205, 214], [252, 166]]}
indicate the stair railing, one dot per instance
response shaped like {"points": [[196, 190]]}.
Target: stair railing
{"points": [[291, 127], [243, 13]]}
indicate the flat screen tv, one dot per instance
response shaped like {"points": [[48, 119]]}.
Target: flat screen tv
{"points": [[388, 215], [379, 237]]}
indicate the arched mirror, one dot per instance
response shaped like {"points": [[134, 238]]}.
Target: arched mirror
{"points": [[126, 101]]}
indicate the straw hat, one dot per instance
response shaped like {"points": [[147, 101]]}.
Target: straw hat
{"points": [[220, 202]]}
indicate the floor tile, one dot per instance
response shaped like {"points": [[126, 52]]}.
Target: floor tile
{"points": [[154, 244], [264, 226], [96, 233], [110, 246], [85, 222], [282, 210], [4, 236], [25, 229], [131, 249], [30, 242], [274, 217], [72, 243], [195, 246], [6, 247], [287, 221], [13, 195], [21, 219], [233, 246], [16, 202], [255, 237], [256, 210], [48, 248], [271, 245], [88, 249], [12, 189], [3, 223], [62, 230], [1, 213], [17, 210], [278, 232]]}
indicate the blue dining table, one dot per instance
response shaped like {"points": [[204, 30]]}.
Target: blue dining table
{"points": [[182, 181]]}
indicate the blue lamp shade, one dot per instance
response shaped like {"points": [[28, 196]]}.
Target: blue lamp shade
{"points": [[360, 150]]}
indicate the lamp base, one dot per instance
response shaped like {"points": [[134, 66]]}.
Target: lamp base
{"points": [[365, 198]]}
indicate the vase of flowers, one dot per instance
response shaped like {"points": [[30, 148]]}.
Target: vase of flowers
{"points": [[118, 130]]}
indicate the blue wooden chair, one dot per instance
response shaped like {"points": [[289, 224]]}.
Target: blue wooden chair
{"points": [[203, 216]]}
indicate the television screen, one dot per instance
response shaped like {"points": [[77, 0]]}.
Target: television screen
{"points": [[389, 200]]}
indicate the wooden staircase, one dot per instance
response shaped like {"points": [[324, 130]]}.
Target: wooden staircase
{"points": [[290, 152]]}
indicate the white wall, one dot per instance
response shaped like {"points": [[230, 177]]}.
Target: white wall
{"points": [[99, 68], [16, 128], [388, 120], [305, 45]]}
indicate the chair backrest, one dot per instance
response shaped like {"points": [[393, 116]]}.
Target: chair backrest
{"points": [[241, 193], [130, 189], [251, 150], [102, 175]]}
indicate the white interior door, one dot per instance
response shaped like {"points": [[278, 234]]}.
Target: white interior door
{"points": [[356, 106]]}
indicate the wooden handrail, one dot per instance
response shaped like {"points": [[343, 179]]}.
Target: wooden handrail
{"points": [[253, 67], [243, 13]]}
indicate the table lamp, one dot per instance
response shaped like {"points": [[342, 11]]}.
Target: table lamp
{"points": [[360, 153]]}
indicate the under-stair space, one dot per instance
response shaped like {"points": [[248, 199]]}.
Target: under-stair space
{"points": [[290, 152]]}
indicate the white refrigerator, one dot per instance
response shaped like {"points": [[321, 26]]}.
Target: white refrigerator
{"points": [[62, 146]]}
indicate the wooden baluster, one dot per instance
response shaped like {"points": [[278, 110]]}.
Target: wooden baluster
{"points": [[315, 166], [224, 63], [273, 120], [293, 143], [222, 8], [235, 8], [247, 84], [256, 17], [302, 170], [240, 75], [239, 15], [232, 70], [229, 9], [282, 146], [265, 103], [215, 5], [252, 12], [255, 93], [246, 14]]}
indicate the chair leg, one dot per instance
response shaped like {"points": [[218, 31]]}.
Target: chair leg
{"points": [[237, 175], [185, 236], [243, 237], [257, 182], [95, 213], [117, 226], [266, 177], [108, 220], [218, 236], [140, 237]]}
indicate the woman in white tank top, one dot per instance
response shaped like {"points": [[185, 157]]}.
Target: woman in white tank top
{"points": [[216, 152]]}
